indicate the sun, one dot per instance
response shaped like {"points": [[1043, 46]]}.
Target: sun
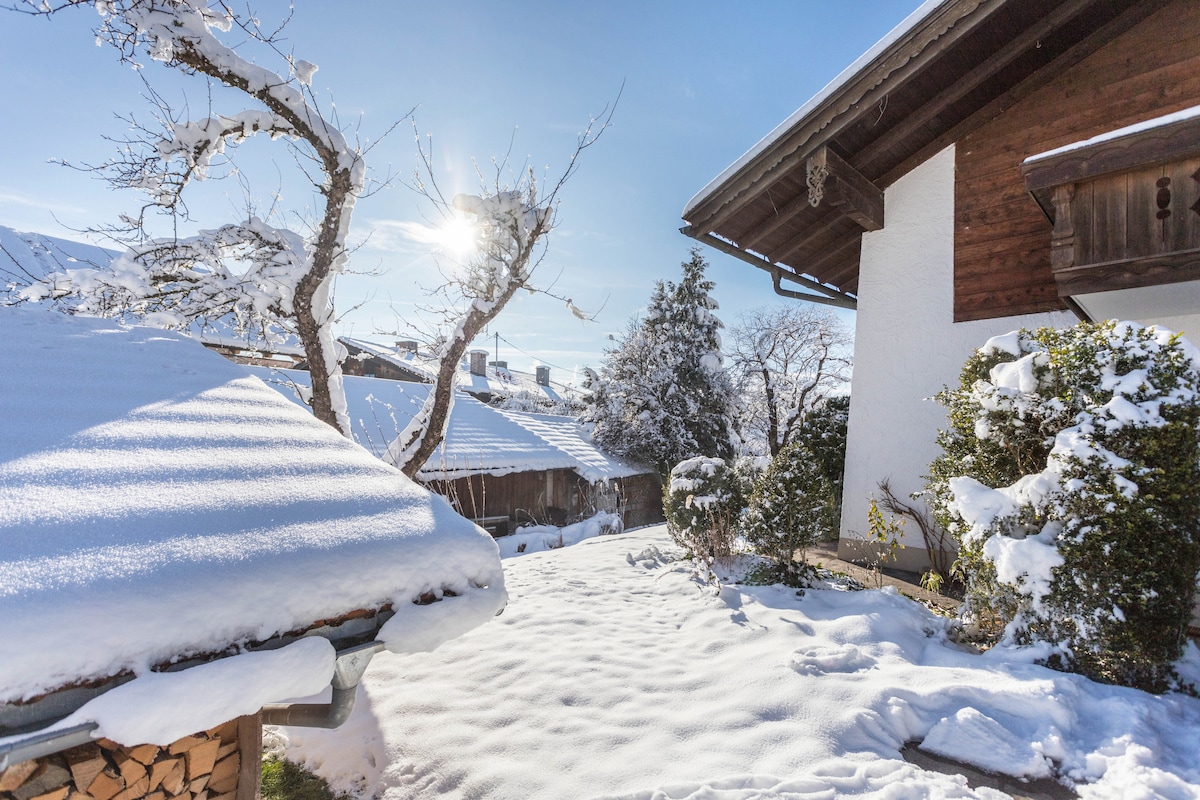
{"points": [[458, 236]]}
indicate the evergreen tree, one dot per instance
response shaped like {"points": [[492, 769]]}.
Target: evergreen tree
{"points": [[662, 395]]}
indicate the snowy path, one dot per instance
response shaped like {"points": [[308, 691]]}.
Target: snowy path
{"points": [[615, 675]]}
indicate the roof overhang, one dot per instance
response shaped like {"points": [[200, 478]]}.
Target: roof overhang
{"points": [[796, 205]]}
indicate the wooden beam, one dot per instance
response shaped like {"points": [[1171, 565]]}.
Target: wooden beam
{"points": [[989, 67], [1129, 273], [844, 188], [1114, 28], [1172, 142]]}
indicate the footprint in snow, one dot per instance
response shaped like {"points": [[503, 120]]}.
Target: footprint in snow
{"points": [[836, 658]]}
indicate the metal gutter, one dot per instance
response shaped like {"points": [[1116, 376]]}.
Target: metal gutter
{"points": [[349, 666], [828, 295], [44, 744]]}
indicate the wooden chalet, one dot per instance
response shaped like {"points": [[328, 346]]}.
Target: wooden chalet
{"points": [[989, 165], [498, 467]]}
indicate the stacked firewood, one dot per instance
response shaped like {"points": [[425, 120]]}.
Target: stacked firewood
{"points": [[201, 767]]}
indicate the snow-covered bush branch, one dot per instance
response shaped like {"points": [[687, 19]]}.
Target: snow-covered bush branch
{"points": [[1070, 478]]}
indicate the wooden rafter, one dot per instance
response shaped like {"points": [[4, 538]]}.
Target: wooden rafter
{"points": [[815, 231], [866, 158], [1114, 28], [783, 216]]}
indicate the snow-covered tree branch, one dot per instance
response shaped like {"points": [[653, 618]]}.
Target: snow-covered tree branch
{"points": [[263, 277], [510, 222], [786, 360]]}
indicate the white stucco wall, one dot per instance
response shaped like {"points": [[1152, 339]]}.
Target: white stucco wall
{"points": [[907, 347]]}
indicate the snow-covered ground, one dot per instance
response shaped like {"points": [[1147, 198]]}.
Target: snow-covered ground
{"points": [[612, 673]]}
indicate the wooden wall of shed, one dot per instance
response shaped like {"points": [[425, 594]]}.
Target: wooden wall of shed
{"points": [[556, 496], [223, 763], [1001, 237]]}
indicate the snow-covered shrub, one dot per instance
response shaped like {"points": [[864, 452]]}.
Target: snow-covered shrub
{"points": [[701, 503], [792, 507], [1070, 479]]}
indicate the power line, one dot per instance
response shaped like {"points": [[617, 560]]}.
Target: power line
{"points": [[531, 355]]}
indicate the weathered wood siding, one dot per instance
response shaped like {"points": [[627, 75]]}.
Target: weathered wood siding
{"points": [[1002, 238], [556, 497]]}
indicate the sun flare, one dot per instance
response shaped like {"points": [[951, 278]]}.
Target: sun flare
{"points": [[458, 236]]}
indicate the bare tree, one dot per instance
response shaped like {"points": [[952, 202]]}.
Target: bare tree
{"points": [[785, 360], [261, 276], [512, 219]]}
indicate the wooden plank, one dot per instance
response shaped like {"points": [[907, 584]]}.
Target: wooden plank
{"points": [[1130, 273], [1109, 218], [1143, 227], [1082, 214], [1183, 233]]}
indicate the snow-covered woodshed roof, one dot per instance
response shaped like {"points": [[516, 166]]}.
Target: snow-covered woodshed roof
{"points": [[157, 503]]}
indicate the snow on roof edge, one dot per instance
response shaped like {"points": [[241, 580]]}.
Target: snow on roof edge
{"points": [[910, 22], [1119, 133]]}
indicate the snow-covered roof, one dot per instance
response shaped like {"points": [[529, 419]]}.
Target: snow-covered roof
{"points": [[861, 64], [158, 502], [30, 256], [499, 381], [480, 439]]}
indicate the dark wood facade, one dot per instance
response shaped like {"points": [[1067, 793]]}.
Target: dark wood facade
{"points": [[360, 362], [1002, 239], [1125, 209], [554, 497]]}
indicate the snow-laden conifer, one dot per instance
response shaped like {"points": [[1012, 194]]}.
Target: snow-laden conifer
{"points": [[662, 395]]}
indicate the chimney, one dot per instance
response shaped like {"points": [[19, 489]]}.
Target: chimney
{"points": [[406, 346], [479, 362], [499, 364], [543, 376]]}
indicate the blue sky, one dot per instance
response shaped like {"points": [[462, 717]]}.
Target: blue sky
{"points": [[703, 81]]}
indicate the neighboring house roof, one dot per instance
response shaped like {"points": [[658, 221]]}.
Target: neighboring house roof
{"points": [[26, 257], [497, 382], [947, 69], [158, 503], [480, 440]]}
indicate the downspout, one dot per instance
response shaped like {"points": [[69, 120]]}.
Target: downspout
{"points": [[348, 670]]}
